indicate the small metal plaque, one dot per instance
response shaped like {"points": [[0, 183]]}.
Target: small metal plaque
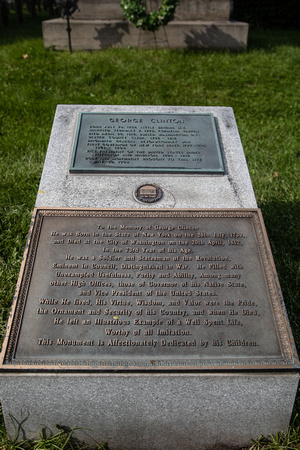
{"points": [[148, 290], [127, 143], [148, 193]]}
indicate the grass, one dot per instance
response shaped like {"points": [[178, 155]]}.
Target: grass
{"points": [[262, 85], [279, 441]]}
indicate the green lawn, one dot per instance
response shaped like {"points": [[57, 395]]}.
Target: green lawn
{"points": [[262, 85]]}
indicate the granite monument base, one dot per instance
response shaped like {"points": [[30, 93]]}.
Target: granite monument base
{"points": [[101, 34], [185, 10], [151, 411], [233, 378], [60, 188]]}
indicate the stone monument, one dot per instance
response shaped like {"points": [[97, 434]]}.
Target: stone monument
{"points": [[100, 24], [148, 311]]}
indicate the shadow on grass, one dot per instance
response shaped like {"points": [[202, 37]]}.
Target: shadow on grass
{"points": [[282, 224], [283, 228]]}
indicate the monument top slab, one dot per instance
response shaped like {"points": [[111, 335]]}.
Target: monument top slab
{"points": [[186, 10], [230, 188]]}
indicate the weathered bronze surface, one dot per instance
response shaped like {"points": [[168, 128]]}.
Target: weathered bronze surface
{"points": [[178, 143], [153, 289], [148, 193]]}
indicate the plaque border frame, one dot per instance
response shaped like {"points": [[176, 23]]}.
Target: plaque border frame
{"points": [[145, 170], [288, 361]]}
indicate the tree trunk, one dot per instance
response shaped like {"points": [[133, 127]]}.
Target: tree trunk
{"points": [[19, 11], [4, 13], [49, 6], [32, 8]]}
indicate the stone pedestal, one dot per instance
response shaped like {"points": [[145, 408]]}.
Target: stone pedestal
{"points": [[100, 24], [234, 374], [157, 411]]}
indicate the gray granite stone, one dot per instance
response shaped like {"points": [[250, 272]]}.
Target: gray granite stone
{"points": [[158, 411], [99, 24], [59, 188], [186, 10], [100, 34]]}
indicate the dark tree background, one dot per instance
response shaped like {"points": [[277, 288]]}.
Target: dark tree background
{"points": [[268, 13], [259, 13], [17, 5]]}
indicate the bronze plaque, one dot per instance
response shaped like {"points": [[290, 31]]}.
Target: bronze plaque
{"points": [[146, 143], [148, 193], [151, 290]]}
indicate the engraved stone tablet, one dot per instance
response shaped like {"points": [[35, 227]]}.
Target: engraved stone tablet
{"points": [[149, 290], [178, 143]]}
